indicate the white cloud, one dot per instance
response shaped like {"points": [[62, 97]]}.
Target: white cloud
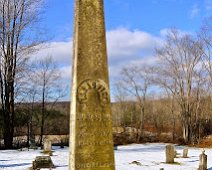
{"points": [[148, 60], [66, 72], [115, 70], [125, 47], [60, 52], [194, 11], [164, 32], [123, 43]]}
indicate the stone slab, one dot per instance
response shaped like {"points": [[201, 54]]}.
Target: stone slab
{"points": [[91, 143]]}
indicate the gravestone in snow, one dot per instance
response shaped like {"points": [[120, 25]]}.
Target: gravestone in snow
{"points": [[91, 144], [42, 162], [185, 153], [170, 153], [47, 146], [203, 161]]}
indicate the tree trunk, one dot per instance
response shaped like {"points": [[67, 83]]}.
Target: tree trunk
{"points": [[141, 127], [8, 110], [43, 114], [8, 132], [187, 133], [174, 129], [8, 136], [28, 133], [41, 129]]}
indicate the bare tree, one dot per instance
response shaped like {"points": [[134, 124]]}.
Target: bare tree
{"points": [[46, 80], [205, 39], [17, 39], [123, 115], [172, 108], [136, 82], [180, 71]]}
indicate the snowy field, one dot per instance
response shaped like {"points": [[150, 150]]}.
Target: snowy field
{"points": [[148, 156]]}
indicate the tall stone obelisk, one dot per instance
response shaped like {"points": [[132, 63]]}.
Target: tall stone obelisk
{"points": [[91, 144]]}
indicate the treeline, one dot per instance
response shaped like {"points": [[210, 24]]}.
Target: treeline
{"points": [[28, 123], [160, 123], [175, 89]]}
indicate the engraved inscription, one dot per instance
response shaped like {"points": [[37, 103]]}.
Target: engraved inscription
{"points": [[100, 134], [95, 143], [94, 164], [94, 117], [91, 121], [97, 85]]}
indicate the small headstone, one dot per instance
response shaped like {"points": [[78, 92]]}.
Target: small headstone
{"points": [[42, 162], [47, 147], [203, 161], [170, 153], [185, 153], [161, 168]]}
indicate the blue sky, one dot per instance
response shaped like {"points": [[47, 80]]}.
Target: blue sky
{"points": [[134, 28], [146, 15]]}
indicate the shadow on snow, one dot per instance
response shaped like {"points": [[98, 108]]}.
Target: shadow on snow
{"points": [[14, 165]]}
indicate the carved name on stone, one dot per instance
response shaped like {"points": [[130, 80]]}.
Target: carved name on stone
{"points": [[91, 144], [98, 86]]}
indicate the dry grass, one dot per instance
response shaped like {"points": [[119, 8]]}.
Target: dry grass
{"points": [[206, 142]]}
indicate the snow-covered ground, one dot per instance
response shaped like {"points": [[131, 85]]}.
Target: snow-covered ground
{"points": [[150, 156]]}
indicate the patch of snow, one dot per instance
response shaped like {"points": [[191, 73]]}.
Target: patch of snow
{"points": [[150, 156]]}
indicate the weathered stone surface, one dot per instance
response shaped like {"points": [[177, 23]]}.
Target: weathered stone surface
{"points": [[42, 162], [91, 144], [170, 153], [185, 153], [47, 147], [203, 161]]}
